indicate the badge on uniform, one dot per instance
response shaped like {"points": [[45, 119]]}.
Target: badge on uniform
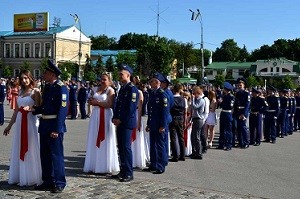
{"points": [[64, 96], [165, 102], [133, 97], [63, 104]]}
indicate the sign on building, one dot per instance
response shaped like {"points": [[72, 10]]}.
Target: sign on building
{"points": [[31, 22]]}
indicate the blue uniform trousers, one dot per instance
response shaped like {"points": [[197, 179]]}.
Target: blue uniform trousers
{"points": [[52, 160], [255, 122], [73, 109], [225, 139], [281, 126], [270, 127], [242, 132], [158, 155], [82, 109], [1, 114], [297, 120], [234, 129], [125, 153]]}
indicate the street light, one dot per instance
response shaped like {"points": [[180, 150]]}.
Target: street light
{"points": [[77, 20], [198, 16]]}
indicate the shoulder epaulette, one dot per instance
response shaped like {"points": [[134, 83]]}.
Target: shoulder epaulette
{"points": [[161, 90], [60, 83]]}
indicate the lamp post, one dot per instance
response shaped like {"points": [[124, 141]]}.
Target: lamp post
{"points": [[198, 16], [77, 20]]}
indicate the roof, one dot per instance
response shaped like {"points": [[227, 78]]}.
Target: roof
{"points": [[110, 52], [229, 65], [51, 31]]}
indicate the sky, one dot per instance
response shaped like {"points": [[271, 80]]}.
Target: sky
{"points": [[252, 23]]}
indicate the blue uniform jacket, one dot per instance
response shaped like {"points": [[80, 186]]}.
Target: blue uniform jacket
{"points": [[126, 105], [258, 104], [170, 97], [2, 94], [72, 93], [242, 103], [158, 110], [227, 102], [54, 102], [82, 95], [273, 104]]}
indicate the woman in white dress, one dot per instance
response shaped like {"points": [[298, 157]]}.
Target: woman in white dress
{"points": [[211, 120], [188, 127], [101, 150], [25, 164], [138, 145]]}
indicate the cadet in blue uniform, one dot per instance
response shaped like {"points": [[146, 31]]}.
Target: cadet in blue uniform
{"points": [[125, 120], [258, 107], [2, 97], [281, 121], [297, 113], [73, 98], [226, 104], [271, 115], [165, 86], [241, 108], [82, 98], [292, 112], [157, 124], [52, 128]]}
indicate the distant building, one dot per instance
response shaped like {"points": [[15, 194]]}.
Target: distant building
{"points": [[60, 44]]}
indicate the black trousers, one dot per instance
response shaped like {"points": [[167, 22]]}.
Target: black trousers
{"points": [[176, 131]]}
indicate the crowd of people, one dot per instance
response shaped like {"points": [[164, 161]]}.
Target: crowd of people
{"points": [[134, 124]]}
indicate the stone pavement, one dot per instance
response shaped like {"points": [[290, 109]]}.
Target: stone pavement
{"points": [[217, 176]]}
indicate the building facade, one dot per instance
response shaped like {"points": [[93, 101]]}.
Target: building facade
{"points": [[59, 44]]}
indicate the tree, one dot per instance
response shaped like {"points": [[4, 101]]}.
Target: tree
{"points": [[68, 70], [99, 68], [89, 73], [251, 81], [26, 66], [229, 51], [127, 58], [7, 71], [219, 80], [110, 66], [102, 42]]}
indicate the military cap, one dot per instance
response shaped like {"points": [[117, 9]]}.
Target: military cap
{"points": [[228, 86], [52, 68], [158, 76], [254, 90], [166, 79], [241, 80], [126, 67]]}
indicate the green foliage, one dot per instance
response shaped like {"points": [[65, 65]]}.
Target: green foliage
{"points": [[251, 81], [7, 71], [89, 73], [219, 80], [127, 58], [229, 51], [68, 70], [44, 64], [110, 67], [102, 42], [99, 68], [26, 66]]}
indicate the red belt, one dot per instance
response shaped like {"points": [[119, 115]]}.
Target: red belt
{"points": [[101, 130], [24, 133]]}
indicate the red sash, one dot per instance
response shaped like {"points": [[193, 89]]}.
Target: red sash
{"points": [[133, 135], [24, 133], [101, 130]]}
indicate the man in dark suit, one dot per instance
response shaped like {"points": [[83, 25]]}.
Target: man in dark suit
{"points": [[125, 120], [52, 128], [82, 98]]}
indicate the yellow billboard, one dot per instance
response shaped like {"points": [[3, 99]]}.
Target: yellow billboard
{"points": [[31, 22]]}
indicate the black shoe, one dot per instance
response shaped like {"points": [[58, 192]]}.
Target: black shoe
{"points": [[197, 157], [281, 136], [256, 144], [181, 159], [273, 141], [126, 179], [57, 190], [158, 172], [245, 147], [149, 169], [204, 151], [227, 148], [220, 147], [173, 160], [117, 176], [44, 187], [266, 141]]}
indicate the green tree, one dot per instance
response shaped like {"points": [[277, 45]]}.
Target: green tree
{"points": [[219, 80], [7, 71], [229, 51], [127, 58], [89, 73], [110, 67], [68, 70], [251, 81], [99, 68], [102, 42], [26, 66]]}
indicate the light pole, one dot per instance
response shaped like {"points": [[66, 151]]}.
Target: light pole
{"points": [[198, 16], [77, 20]]}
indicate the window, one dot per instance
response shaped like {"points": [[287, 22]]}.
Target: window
{"points": [[27, 50], [241, 72], [209, 72], [17, 72], [37, 50], [48, 52], [17, 50], [36, 74], [7, 52], [277, 69]]}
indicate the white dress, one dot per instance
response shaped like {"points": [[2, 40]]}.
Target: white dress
{"points": [[29, 171], [105, 158], [138, 147], [212, 116], [187, 140]]}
